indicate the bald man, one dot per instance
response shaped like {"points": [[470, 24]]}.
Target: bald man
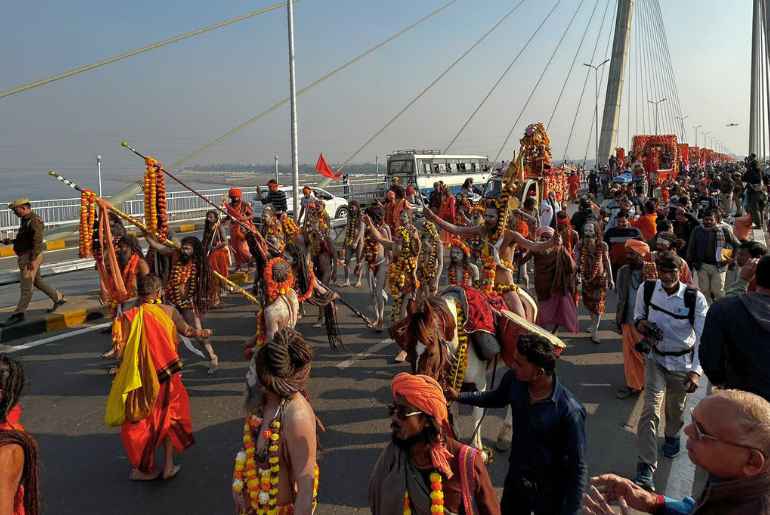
{"points": [[729, 437]]}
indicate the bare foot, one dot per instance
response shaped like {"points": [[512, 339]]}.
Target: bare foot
{"points": [[400, 357], [109, 354], [346, 284], [213, 364], [380, 326], [319, 323], [171, 473], [358, 284], [137, 475]]}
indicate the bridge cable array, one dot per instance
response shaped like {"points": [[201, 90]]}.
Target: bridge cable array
{"points": [[179, 162], [131, 53], [585, 82], [429, 86], [500, 79]]}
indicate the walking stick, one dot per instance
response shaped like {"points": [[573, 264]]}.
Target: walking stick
{"points": [[143, 228], [263, 244]]}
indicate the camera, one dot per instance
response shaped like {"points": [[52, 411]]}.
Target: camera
{"points": [[649, 340]]}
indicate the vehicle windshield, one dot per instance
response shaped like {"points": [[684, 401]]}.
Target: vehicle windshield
{"points": [[493, 188]]}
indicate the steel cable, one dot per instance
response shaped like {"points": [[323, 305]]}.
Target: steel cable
{"points": [[428, 87], [572, 65], [130, 53]]}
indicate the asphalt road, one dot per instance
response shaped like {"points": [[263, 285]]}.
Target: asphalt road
{"points": [[85, 471]]}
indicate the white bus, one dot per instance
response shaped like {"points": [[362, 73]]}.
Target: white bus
{"points": [[424, 167]]}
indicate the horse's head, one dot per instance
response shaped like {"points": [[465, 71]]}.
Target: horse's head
{"points": [[422, 335]]}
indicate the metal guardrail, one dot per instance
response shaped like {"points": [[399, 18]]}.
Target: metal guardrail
{"points": [[183, 206]]}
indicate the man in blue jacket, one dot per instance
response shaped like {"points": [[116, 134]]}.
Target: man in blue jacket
{"points": [[547, 469]]}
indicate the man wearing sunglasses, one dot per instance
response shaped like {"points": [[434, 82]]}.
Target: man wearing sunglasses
{"points": [[404, 478], [729, 437]]}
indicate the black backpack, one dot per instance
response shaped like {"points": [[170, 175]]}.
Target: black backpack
{"points": [[690, 296]]}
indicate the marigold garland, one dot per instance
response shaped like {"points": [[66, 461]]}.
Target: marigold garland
{"points": [[436, 495], [155, 204], [275, 288], [180, 289], [596, 267], [466, 279], [261, 484], [460, 363], [87, 219]]}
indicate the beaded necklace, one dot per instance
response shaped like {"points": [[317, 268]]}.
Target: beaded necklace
{"points": [[181, 285], [595, 267], [352, 228]]}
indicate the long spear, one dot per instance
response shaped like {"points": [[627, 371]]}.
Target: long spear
{"points": [[263, 244], [164, 241]]}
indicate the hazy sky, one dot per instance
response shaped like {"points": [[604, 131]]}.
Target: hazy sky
{"points": [[170, 101]]}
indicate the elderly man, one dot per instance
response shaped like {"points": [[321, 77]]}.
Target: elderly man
{"points": [[424, 470], [729, 437], [28, 246]]}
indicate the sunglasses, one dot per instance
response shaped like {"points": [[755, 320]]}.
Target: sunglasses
{"points": [[701, 434], [400, 411]]}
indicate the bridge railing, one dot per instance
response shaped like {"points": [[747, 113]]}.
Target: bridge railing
{"points": [[183, 206]]}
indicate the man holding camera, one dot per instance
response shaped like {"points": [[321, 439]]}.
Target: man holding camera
{"points": [[670, 315]]}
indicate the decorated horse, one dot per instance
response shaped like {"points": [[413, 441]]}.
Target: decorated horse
{"points": [[452, 336]]}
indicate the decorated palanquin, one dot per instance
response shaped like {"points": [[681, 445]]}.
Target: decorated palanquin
{"points": [[706, 156], [659, 155], [537, 166], [684, 153], [620, 155]]}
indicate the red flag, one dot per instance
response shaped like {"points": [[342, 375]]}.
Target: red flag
{"points": [[325, 170]]}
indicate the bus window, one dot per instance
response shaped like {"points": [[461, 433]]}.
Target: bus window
{"points": [[400, 167], [450, 167], [442, 168], [474, 167]]}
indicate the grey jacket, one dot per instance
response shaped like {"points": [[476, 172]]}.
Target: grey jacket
{"points": [[622, 284], [737, 497]]}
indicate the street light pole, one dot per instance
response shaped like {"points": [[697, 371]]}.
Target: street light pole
{"points": [[696, 133], [595, 68], [656, 103], [275, 158], [705, 139], [293, 97], [99, 172], [681, 124]]}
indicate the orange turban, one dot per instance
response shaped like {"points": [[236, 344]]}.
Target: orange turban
{"points": [[425, 394], [235, 192], [639, 247]]}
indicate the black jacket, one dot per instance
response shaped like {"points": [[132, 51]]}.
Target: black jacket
{"points": [[735, 345]]}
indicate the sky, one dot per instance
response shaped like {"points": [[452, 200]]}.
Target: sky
{"points": [[171, 101]]}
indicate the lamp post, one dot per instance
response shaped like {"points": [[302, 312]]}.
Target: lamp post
{"points": [[293, 105], [656, 103], [696, 127], [681, 124], [99, 172], [275, 158], [595, 68], [705, 138]]}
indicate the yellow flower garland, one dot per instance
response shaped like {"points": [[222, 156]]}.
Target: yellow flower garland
{"points": [[436, 496]]}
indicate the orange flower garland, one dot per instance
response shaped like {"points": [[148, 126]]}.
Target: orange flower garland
{"points": [[155, 204], [87, 219], [274, 288], [436, 496], [261, 485], [180, 290]]}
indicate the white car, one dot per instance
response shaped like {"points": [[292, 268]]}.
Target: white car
{"points": [[336, 207]]}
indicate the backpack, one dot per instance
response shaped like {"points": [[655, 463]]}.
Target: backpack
{"points": [[690, 296]]}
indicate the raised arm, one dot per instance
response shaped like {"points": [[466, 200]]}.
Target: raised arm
{"points": [[454, 229], [526, 216], [153, 242], [184, 328], [381, 239], [532, 246]]}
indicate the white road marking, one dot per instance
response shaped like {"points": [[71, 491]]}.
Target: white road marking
{"points": [[682, 475], [596, 384], [362, 355], [37, 343]]}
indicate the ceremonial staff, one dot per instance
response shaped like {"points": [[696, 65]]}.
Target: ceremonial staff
{"points": [[263, 244], [143, 228]]}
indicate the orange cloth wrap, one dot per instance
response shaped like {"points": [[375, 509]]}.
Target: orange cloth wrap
{"points": [[425, 394], [639, 247]]}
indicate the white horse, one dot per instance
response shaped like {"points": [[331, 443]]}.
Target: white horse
{"points": [[435, 344]]}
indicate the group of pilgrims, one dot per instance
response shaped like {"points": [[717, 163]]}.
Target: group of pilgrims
{"points": [[408, 252]]}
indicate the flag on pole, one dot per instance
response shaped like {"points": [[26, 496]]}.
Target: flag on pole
{"points": [[325, 170]]}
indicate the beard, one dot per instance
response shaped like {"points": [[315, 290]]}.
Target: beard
{"points": [[408, 443], [185, 258], [123, 258]]}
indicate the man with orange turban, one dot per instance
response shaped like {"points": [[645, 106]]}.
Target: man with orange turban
{"points": [[239, 211], [424, 470], [630, 277]]}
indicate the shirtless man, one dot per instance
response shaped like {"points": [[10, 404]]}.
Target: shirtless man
{"points": [[282, 309], [354, 241], [461, 271], [499, 243], [376, 258], [276, 381], [430, 262]]}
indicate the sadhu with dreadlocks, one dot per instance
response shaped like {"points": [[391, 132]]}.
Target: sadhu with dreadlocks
{"points": [[18, 450], [147, 398], [279, 432], [188, 286]]}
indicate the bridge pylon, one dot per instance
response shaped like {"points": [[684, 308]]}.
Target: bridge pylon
{"points": [[618, 63]]}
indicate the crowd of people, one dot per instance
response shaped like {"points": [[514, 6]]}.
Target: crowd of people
{"points": [[483, 277]]}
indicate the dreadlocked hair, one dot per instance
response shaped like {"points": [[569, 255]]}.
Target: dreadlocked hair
{"points": [[208, 227], [132, 242], [501, 205], [376, 213], [11, 384], [203, 279], [283, 364], [149, 286]]}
